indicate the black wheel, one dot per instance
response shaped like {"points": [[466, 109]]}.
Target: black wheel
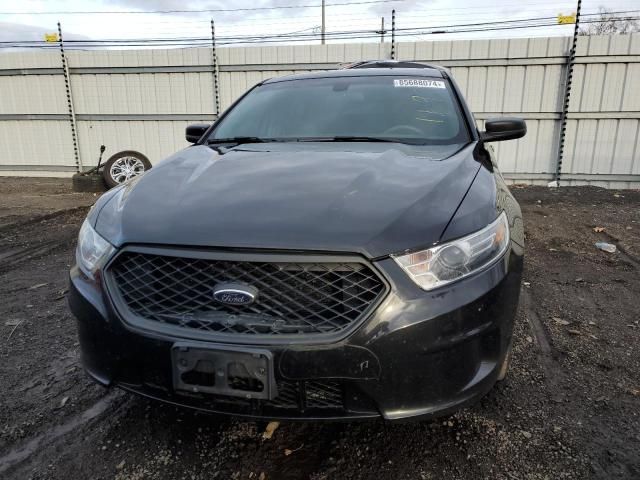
{"points": [[124, 166], [92, 182]]}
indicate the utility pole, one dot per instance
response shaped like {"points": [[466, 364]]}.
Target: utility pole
{"points": [[382, 30], [323, 25]]}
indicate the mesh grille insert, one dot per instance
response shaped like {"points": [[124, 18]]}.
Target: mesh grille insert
{"points": [[293, 297], [323, 394], [300, 396]]}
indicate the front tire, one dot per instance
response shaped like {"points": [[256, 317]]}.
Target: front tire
{"points": [[124, 166], [504, 368]]}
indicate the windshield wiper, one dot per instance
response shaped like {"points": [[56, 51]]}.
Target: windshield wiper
{"points": [[349, 138], [339, 138], [240, 140]]}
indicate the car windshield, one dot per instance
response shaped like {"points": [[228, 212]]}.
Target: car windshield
{"points": [[416, 110]]}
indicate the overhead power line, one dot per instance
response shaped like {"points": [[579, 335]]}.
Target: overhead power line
{"points": [[493, 25], [203, 10], [201, 27], [414, 14], [306, 37], [540, 3]]}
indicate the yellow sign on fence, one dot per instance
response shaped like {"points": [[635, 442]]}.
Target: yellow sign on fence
{"points": [[566, 19], [51, 37]]}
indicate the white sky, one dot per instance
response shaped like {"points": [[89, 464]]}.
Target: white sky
{"points": [[409, 13]]}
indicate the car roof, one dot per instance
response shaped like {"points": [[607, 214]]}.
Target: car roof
{"points": [[370, 69]]}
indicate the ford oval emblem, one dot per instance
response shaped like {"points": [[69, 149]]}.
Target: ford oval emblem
{"points": [[235, 293]]}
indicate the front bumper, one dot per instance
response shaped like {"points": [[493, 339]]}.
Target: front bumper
{"points": [[420, 354]]}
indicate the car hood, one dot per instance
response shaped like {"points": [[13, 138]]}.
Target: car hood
{"points": [[373, 199]]}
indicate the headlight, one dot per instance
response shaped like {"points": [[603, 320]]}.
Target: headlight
{"points": [[454, 260], [92, 251]]}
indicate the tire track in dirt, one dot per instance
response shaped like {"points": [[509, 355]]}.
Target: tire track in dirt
{"points": [[12, 257], [543, 339], [553, 372], [40, 218], [29, 449], [27, 242]]}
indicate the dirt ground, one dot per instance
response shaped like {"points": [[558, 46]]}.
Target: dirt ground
{"points": [[570, 407]]}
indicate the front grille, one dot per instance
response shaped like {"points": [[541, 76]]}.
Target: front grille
{"points": [[300, 396], [294, 297]]}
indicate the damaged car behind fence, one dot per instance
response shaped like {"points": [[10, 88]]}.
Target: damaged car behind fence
{"points": [[337, 245]]}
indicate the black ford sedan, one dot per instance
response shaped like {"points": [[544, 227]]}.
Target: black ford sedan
{"points": [[337, 245]]}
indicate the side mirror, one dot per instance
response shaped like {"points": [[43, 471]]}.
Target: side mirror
{"points": [[503, 128], [194, 132]]}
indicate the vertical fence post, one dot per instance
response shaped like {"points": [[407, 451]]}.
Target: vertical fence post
{"points": [[393, 34], [214, 59], [567, 95], [72, 112], [323, 27]]}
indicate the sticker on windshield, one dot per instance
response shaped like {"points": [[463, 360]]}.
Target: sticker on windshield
{"points": [[418, 82]]}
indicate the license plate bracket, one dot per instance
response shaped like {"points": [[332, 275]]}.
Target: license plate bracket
{"points": [[223, 370]]}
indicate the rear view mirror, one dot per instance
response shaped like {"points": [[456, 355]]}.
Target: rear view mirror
{"points": [[194, 132], [503, 128]]}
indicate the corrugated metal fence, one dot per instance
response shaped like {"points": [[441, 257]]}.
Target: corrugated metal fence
{"points": [[142, 99]]}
